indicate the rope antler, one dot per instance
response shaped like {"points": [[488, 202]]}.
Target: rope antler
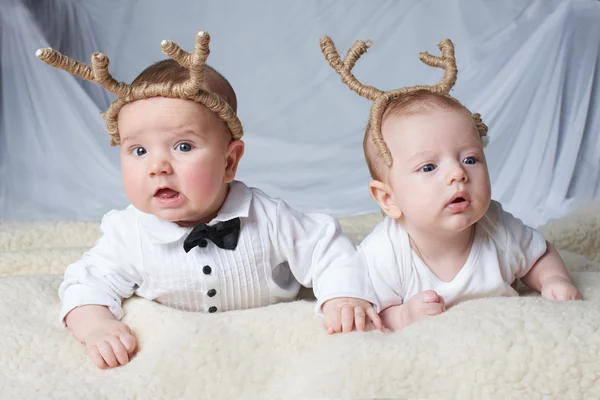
{"points": [[447, 62], [98, 73], [344, 67], [194, 88], [193, 62], [381, 99]]}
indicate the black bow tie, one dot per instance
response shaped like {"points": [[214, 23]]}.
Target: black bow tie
{"points": [[224, 234]]}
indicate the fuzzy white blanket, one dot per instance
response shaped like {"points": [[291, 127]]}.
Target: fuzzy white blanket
{"points": [[517, 348]]}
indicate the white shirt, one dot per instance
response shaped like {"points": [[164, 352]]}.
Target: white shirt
{"points": [[503, 250], [278, 250]]}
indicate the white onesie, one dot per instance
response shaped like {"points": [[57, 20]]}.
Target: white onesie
{"points": [[503, 250]]}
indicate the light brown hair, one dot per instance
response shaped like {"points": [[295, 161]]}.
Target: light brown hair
{"points": [[168, 70], [412, 103], [383, 99], [198, 83]]}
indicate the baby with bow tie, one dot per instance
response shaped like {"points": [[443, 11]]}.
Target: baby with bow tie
{"points": [[193, 237]]}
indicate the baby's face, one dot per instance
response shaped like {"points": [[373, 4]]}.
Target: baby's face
{"points": [[176, 158], [439, 177]]}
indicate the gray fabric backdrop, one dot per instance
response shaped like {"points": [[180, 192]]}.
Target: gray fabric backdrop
{"points": [[529, 67]]}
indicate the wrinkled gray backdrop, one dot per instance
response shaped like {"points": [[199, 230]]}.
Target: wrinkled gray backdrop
{"points": [[531, 69]]}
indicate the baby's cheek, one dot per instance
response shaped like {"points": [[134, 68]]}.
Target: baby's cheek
{"points": [[203, 181], [128, 177], [135, 188]]}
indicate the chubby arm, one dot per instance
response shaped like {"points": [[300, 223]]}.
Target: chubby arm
{"points": [[395, 318], [85, 319], [549, 265], [529, 257], [106, 273], [109, 343], [423, 305], [550, 277], [92, 291]]}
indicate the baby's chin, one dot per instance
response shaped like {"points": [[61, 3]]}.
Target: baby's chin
{"points": [[459, 222], [178, 216], [184, 218]]}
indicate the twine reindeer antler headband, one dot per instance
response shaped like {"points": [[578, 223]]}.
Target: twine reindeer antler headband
{"points": [[191, 89], [381, 99]]}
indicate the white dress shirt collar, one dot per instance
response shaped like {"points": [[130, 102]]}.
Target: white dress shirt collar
{"points": [[237, 204]]}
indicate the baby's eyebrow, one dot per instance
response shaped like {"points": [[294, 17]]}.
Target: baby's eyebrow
{"points": [[421, 154], [128, 139], [184, 131], [475, 147]]}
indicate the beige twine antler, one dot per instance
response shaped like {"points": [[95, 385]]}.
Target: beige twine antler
{"points": [[381, 99], [193, 62], [98, 73], [191, 89]]}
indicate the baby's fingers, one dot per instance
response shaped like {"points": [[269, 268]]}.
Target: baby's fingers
{"points": [[443, 303], [560, 295], [360, 318], [119, 350], [129, 341], [430, 296], [573, 295], [434, 308], [375, 318], [96, 357], [563, 293], [332, 319], [347, 318], [106, 351]]}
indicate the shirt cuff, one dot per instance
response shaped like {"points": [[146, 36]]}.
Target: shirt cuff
{"points": [[77, 295], [352, 283]]}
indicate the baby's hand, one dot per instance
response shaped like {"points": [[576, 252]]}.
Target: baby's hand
{"points": [[423, 305], [342, 313], [418, 307], [110, 343], [560, 288]]}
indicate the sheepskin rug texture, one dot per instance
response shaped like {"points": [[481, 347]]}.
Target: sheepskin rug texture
{"points": [[495, 348]]}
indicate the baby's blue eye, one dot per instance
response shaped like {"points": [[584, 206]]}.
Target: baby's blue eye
{"points": [[138, 151], [428, 168], [185, 147], [470, 160]]}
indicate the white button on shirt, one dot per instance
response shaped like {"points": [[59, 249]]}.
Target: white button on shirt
{"points": [[279, 249], [503, 250]]}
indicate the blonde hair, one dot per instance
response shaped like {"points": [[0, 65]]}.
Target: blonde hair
{"points": [[412, 103], [194, 81], [382, 100]]}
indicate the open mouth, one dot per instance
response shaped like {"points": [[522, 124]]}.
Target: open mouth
{"points": [[459, 202], [166, 193], [459, 197]]}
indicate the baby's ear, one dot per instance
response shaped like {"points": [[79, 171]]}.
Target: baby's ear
{"points": [[235, 151], [382, 193]]}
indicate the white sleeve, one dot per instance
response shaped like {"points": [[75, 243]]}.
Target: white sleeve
{"points": [[377, 254], [321, 256], [104, 275], [522, 244]]}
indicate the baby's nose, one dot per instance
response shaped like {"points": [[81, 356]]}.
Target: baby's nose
{"points": [[161, 167]]}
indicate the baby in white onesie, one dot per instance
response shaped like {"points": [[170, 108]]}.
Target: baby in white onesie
{"points": [[444, 240]]}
